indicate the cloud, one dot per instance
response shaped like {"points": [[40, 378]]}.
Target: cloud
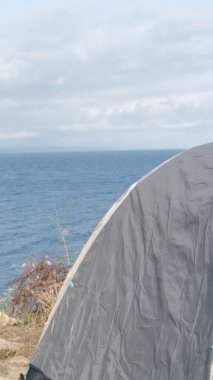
{"points": [[110, 75], [17, 135]]}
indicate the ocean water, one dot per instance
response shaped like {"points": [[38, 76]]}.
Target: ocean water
{"points": [[76, 189]]}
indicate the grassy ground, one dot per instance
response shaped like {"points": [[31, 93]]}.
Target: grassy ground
{"points": [[26, 333], [36, 289]]}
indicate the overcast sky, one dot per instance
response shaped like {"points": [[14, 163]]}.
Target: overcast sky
{"points": [[105, 74]]}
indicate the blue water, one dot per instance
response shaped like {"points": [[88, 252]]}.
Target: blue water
{"points": [[80, 187]]}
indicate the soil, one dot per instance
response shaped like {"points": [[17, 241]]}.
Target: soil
{"points": [[12, 360], [11, 368]]}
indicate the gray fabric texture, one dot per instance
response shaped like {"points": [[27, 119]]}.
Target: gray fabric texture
{"points": [[140, 306]]}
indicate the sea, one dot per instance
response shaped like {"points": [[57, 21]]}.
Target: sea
{"points": [[42, 195]]}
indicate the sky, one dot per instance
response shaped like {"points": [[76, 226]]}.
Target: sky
{"points": [[88, 75]]}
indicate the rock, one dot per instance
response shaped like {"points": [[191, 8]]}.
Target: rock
{"points": [[5, 320], [11, 368], [34, 308]]}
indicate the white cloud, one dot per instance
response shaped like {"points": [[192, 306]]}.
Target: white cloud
{"points": [[17, 135], [72, 70]]}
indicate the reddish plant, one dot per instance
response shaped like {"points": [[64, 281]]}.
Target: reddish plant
{"points": [[37, 286]]}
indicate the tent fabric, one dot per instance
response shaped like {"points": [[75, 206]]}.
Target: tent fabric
{"points": [[34, 373], [138, 302]]}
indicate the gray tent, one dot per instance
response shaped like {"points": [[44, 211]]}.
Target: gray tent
{"points": [[138, 302]]}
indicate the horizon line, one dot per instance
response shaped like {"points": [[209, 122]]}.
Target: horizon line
{"points": [[87, 150]]}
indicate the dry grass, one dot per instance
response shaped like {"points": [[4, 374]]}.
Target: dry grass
{"points": [[38, 285], [26, 332], [7, 353]]}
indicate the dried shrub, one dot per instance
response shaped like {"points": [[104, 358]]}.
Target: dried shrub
{"points": [[36, 289]]}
